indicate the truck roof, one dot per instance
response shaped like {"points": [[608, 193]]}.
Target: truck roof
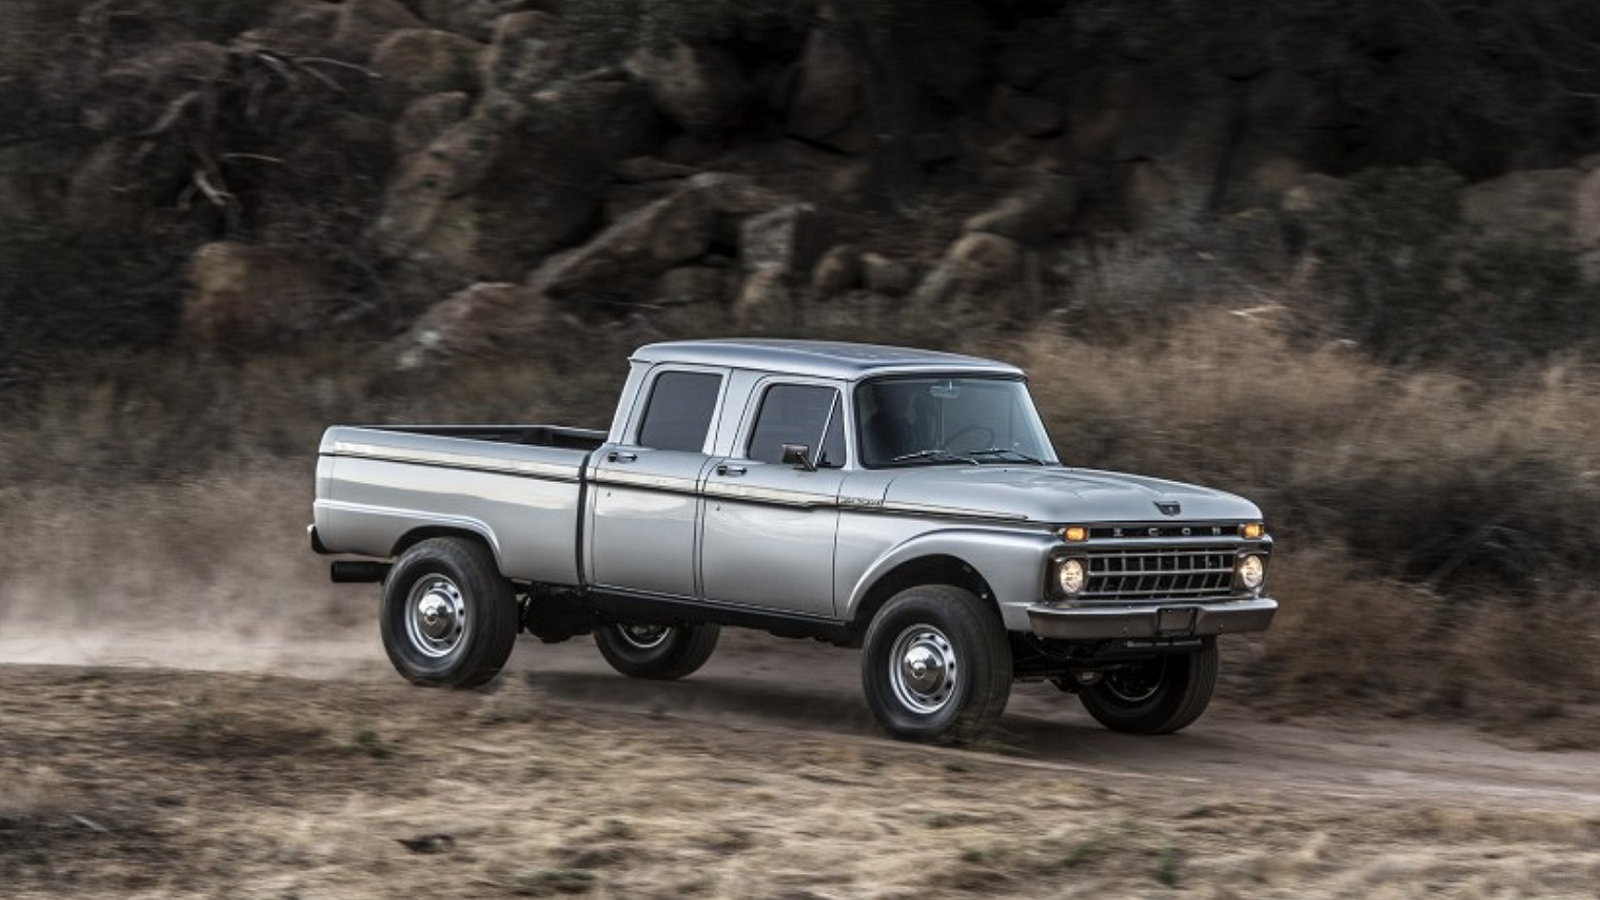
{"points": [[823, 359]]}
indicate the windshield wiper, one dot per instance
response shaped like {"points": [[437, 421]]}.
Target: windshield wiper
{"points": [[995, 451], [937, 453]]}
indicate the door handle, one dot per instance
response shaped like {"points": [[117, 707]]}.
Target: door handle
{"points": [[621, 456], [731, 471]]}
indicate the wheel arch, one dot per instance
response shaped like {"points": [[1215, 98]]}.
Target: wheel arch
{"points": [[417, 535], [933, 568]]}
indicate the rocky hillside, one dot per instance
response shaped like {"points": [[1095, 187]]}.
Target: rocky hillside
{"points": [[461, 176]]}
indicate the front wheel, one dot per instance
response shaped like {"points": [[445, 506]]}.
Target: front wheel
{"points": [[658, 652], [936, 665], [448, 618], [1154, 696]]}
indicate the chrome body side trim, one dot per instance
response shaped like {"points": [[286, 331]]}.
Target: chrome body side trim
{"points": [[455, 460]]}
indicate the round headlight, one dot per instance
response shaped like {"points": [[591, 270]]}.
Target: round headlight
{"points": [[1252, 571], [1071, 576]]}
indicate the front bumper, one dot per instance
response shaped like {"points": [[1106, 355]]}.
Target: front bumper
{"points": [[1178, 619]]}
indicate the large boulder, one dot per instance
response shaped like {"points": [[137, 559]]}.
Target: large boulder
{"points": [[787, 240], [243, 296], [618, 267], [526, 52], [889, 277], [476, 19], [765, 302], [363, 24], [297, 27], [837, 272], [826, 102], [514, 182], [1038, 214], [483, 319], [415, 61], [733, 196], [977, 285], [701, 88], [777, 249], [427, 119], [650, 253], [693, 284]]}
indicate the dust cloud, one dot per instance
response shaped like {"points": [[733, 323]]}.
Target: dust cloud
{"points": [[212, 574]]}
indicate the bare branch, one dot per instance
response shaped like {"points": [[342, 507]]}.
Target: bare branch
{"points": [[172, 114], [338, 63], [258, 157], [324, 78], [219, 197], [277, 64]]}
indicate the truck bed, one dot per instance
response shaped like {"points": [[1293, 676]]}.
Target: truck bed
{"points": [[519, 487]]}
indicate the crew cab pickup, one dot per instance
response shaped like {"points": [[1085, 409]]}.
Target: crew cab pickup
{"points": [[904, 502]]}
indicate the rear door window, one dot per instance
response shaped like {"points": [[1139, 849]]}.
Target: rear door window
{"points": [[799, 414], [679, 413]]}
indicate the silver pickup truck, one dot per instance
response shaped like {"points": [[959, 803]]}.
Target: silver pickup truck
{"points": [[905, 502]]}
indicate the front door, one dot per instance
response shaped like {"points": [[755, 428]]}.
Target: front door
{"points": [[770, 526]]}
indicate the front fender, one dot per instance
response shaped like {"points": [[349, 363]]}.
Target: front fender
{"points": [[1011, 562]]}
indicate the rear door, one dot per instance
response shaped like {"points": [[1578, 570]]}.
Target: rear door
{"points": [[646, 489], [770, 527]]}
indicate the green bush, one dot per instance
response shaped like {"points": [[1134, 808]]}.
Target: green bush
{"points": [[1526, 299], [1416, 285], [1388, 245]]}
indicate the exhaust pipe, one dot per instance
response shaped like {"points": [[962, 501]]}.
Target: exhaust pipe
{"points": [[359, 571]]}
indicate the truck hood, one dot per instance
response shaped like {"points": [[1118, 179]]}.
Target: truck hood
{"points": [[1059, 495]]}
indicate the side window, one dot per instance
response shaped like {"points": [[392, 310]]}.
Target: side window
{"points": [[680, 410], [799, 414]]}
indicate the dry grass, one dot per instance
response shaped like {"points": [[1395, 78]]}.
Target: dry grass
{"points": [[1435, 533]]}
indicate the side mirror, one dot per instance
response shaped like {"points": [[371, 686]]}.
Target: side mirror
{"points": [[798, 455]]}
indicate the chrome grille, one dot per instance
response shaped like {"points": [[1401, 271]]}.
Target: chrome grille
{"points": [[1187, 573]]}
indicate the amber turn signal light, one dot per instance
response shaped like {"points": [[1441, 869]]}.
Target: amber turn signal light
{"points": [[1076, 534], [1251, 530]]}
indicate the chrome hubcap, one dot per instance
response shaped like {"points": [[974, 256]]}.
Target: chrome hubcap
{"points": [[1138, 684], [923, 669], [436, 616], [644, 637]]}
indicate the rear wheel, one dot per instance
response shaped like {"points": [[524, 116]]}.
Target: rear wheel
{"points": [[659, 652], [1154, 696], [448, 618], [936, 665]]}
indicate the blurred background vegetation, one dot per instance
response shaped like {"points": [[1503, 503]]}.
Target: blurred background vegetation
{"points": [[1340, 257]]}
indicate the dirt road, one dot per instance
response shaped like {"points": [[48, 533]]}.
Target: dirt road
{"points": [[760, 777]]}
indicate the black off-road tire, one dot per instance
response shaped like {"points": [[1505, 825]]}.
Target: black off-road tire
{"points": [[1158, 696], [448, 617], [936, 665], [656, 652]]}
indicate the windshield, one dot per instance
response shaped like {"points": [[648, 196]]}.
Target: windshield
{"points": [[933, 421]]}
